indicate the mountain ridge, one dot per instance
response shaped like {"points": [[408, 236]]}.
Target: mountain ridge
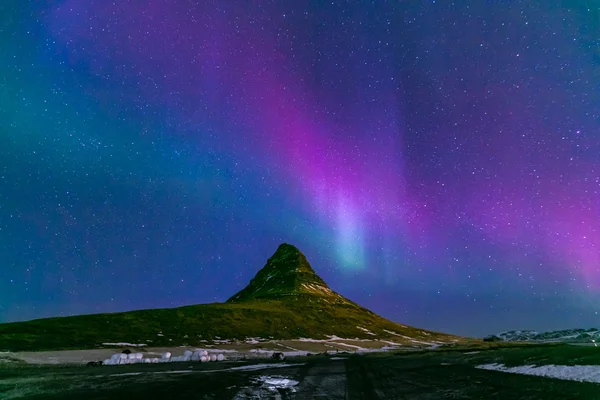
{"points": [[578, 335]]}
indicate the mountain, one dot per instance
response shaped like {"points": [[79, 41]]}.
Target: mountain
{"points": [[287, 273], [564, 336], [285, 300]]}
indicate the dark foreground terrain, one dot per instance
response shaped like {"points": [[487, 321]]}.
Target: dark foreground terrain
{"points": [[426, 375]]}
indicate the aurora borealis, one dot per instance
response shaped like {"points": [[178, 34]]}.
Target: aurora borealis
{"points": [[437, 162]]}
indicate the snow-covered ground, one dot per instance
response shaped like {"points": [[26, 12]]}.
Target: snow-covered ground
{"points": [[580, 373]]}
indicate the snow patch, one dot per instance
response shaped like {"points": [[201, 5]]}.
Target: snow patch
{"points": [[368, 332], [391, 343], [255, 367], [127, 374], [351, 346], [125, 344], [286, 347], [580, 373], [184, 371]]}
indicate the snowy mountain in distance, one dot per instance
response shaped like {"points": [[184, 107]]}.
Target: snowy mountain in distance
{"points": [[562, 336]]}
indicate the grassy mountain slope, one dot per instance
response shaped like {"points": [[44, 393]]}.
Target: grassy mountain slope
{"points": [[285, 300]]}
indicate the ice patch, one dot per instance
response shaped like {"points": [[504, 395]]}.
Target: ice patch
{"points": [[268, 387], [277, 382]]}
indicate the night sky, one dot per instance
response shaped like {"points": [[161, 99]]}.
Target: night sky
{"points": [[437, 162]]}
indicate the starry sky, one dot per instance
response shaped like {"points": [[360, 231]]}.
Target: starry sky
{"points": [[438, 162]]}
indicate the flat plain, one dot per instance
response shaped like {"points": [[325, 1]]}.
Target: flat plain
{"points": [[433, 374]]}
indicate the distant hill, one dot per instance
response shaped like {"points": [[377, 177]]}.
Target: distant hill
{"points": [[285, 300], [563, 336]]}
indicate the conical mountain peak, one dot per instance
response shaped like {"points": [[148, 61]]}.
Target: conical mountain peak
{"points": [[287, 273], [285, 300]]}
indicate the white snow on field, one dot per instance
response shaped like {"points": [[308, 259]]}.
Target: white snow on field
{"points": [[255, 367], [422, 342], [286, 347], [472, 352], [124, 344], [386, 348], [312, 340], [261, 351], [358, 348], [368, 332], [580, 373], [392, 332], [338, 358], [127, 374], [392, 343]]}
